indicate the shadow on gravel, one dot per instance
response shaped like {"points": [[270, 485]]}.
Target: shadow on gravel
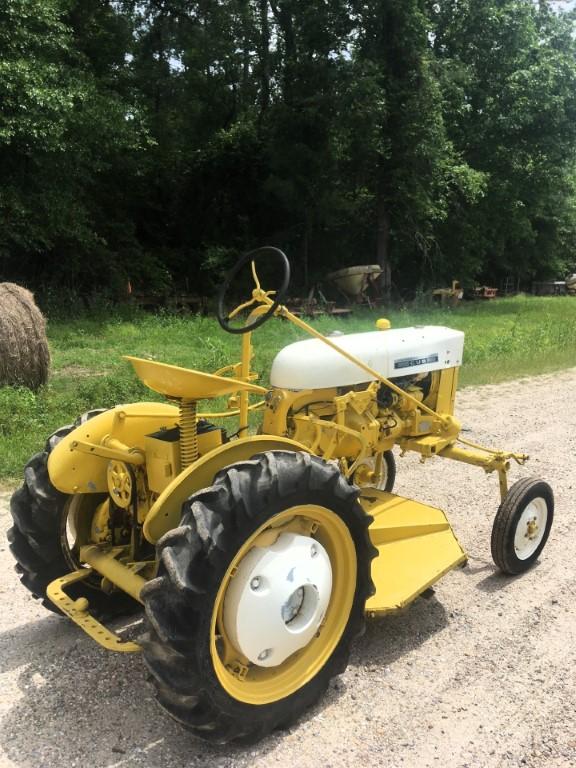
{"points": [[79, 705], [390, 637], [498, 581], [471, 570], [18, 645]]}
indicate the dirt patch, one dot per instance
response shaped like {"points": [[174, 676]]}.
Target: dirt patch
{"points": [[481, 674], [77, 371]]}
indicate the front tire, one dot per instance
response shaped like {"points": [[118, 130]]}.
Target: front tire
{"points": [[387, 478], [522, 525], [242, 640]]}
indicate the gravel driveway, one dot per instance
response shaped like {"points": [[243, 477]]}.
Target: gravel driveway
{"points": [[483, 673]]}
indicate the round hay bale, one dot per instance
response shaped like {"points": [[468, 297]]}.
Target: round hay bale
{"points": [[24, 353]]}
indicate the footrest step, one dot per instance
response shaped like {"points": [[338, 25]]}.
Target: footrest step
{"points": [[77, 610]]}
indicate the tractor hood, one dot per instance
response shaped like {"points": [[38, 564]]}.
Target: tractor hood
{"points": [[311, 364]]}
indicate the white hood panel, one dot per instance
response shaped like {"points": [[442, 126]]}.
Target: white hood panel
{"points": [[311, 364]]}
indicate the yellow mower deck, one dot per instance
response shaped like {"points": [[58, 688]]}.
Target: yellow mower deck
{"points": [[416, 547]]}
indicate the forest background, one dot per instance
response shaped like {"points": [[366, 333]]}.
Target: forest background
{"points": [[152, 142]]}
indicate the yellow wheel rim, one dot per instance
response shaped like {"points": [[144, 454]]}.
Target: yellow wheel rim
{"points": [[263, 685]]}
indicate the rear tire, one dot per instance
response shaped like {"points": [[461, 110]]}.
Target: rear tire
{"points": [[38, 538], [522, 525], [187, 603]]}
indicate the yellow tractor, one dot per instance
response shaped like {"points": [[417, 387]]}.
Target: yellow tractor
{"points": [[258, 556]]}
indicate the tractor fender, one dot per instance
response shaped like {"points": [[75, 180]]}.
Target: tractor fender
{"points": [[166, 511], [72, 471]]}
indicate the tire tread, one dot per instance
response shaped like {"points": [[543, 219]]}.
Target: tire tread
{"points": [[34, 538], [505, 521], [214, 522]]}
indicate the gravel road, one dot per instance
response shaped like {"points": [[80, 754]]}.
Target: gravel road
{"points": [[483, 673]]}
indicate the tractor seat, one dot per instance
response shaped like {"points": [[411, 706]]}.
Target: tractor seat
{"points": [[184, 383]]}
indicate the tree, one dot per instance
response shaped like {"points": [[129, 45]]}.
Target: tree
{"points": [[509, 77], [63, 132], [155, 140], [415, 168]]}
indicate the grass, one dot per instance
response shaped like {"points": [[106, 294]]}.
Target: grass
{"points": [[504, 339]]}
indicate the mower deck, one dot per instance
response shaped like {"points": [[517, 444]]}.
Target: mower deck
{"points": [[416, 547]]}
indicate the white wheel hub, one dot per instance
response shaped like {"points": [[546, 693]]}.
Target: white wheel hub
{"points": [[277, 599], [531, 528]]}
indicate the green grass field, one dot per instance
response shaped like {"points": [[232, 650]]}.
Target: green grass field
{"points": [[505, 339]]}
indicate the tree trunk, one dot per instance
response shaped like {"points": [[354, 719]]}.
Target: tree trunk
{"points": [[282, 11], [306, 250], [245, 14], [264, 56], [383, 248]]}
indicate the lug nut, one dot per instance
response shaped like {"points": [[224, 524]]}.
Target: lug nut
{"points": [[255, 583], [264, 654], [313, 550]]}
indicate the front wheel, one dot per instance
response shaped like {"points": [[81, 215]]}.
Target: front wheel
{"points": [[363, 476], [259, 595], [522, 525]]}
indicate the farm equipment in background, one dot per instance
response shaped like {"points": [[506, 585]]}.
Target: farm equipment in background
{"points": [[450, 297], [257, 556], [565, 287], [485, 292], [549, 288], [355, 283], [315, 304]]}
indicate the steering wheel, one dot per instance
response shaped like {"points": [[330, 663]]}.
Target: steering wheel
{"points": [[259, 296]]}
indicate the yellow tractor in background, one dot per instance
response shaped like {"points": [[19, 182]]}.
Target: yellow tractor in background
{"points": [[258, 556]]}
